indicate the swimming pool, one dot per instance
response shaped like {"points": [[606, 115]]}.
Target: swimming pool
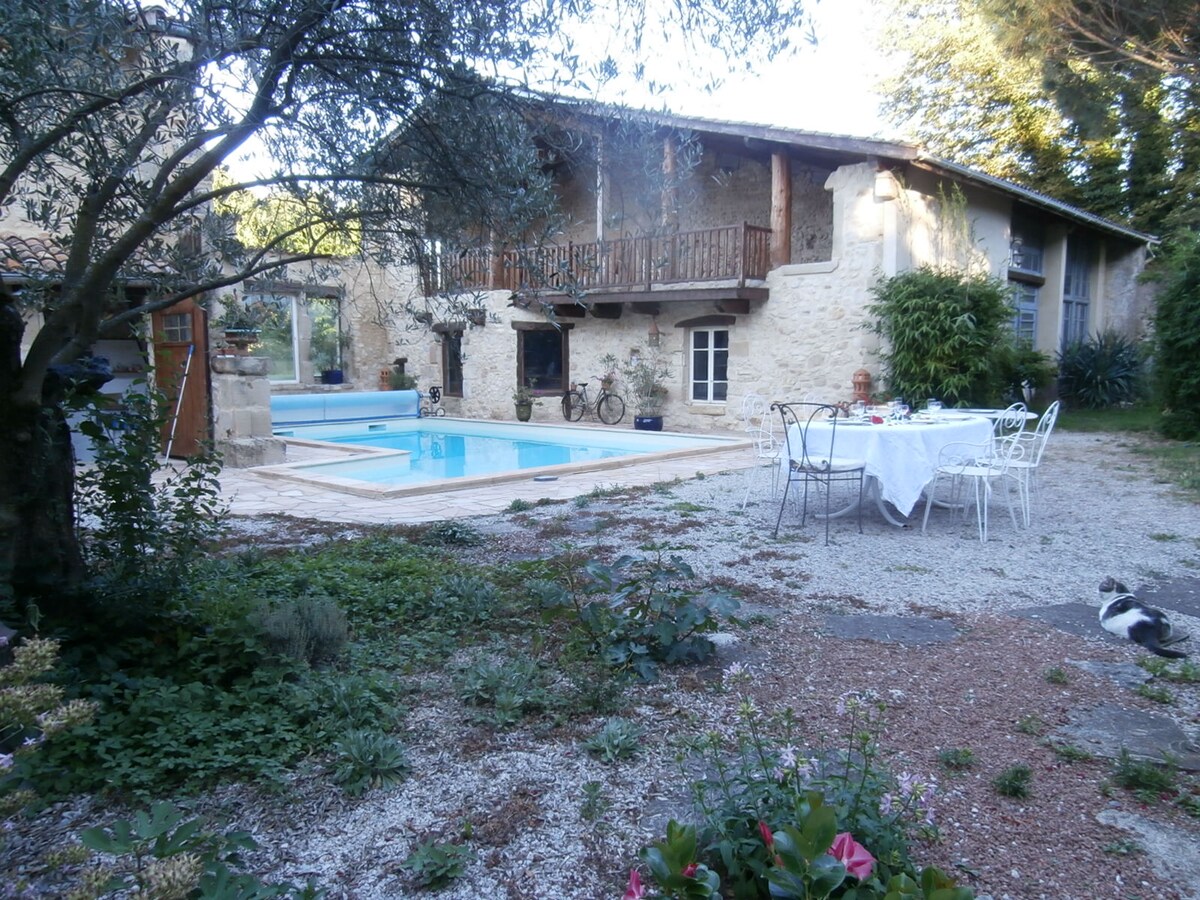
{"points": [[411, 456]]}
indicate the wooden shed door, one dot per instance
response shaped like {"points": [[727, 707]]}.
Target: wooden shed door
{"points": [[180, 364]]}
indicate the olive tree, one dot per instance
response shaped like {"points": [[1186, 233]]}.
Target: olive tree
{"points": [[377, 116]]}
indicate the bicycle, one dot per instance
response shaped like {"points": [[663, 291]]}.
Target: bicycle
{"points": [[610, 407], [431, 403]]}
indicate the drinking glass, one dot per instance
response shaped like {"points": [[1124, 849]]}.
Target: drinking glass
{"points": [[858, 409], [934, 406]]}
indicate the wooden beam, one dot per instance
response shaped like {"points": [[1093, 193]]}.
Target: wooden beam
{"points": [[607, 310], [569, 310], [781, 209], [733, 305]]}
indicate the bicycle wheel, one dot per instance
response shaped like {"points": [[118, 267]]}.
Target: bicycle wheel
{"points": [[573, 406], [610, 409]]}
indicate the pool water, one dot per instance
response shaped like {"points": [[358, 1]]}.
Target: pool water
{"points": [[410, 452]]}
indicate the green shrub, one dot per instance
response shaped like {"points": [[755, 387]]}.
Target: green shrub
{"points": [[1013, 781], [618, 739], [434, 864], [637, 613], [510, 689], [369, 759], [310, 629], [1177, 339], [943, 335], [1101, 372], [140, 535]]}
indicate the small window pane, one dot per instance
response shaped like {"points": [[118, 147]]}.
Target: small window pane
{"points": [[177, 328]]}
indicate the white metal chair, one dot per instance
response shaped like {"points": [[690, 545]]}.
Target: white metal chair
{"points": [[1025, 468], [812, 461], [1010, 422], [759, 424], [981, 464]]}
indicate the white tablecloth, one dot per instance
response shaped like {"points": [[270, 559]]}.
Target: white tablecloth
{"points": [[902, 458]]}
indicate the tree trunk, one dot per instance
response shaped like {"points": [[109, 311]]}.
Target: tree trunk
{"points": [[40, 559]]}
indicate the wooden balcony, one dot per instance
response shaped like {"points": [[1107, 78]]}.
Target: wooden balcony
{"points": [[637, 266]]}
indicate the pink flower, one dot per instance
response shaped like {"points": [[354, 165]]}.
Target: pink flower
{"points": [[635, 891], [689, 870], [765, 831], [853, 855]]}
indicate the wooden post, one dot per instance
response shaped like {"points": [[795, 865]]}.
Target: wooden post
{"points": [[781, 210], [670, 199]]}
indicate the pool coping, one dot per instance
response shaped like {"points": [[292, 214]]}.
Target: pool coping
{"points": [[347, 452]]}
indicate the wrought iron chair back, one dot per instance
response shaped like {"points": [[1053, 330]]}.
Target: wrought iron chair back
{"points": [[811, 457]]}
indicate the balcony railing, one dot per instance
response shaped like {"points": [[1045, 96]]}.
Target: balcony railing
{"points": [[734, 252]]}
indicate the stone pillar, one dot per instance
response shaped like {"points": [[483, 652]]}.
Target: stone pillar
{"points": [[241, 395]]}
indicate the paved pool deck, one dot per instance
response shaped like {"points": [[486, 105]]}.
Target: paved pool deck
{"points": [[249, 493]]}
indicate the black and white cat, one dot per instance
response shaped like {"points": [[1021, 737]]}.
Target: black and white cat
{"points": [[1122, 614]]}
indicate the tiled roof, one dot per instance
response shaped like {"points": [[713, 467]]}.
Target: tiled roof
{"points": [[25, 255], [43, 254]]}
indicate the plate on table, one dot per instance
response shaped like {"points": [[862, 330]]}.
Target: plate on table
{"points": [[842, 423]]}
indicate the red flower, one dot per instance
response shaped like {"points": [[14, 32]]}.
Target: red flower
{"points": [[765, 831], [689, 870], [853, 855], [635, 891]]}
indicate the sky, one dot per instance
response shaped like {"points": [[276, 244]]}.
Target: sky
{"points": [[828, 87]]}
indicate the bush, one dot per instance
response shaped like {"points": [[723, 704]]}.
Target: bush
{"points": [[310, 629], [1177, 340], [944, 333], [1101, 372]]}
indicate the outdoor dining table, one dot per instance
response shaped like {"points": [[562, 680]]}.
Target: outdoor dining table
{"points": [[901, 457]]}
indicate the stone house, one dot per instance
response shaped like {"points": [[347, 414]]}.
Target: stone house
{"points": [[746, 254]]}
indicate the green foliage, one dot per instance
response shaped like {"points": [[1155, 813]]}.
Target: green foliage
{"points": [[957, 759], [140, 534], [310, 629], [1020, 366], [402, 381], [1156, 692], [510, 689], [1070, 753], [174, 857], [637, 613], [369, 759], [1055, 675], [674, 865], [764, 777], [1177, 340], [1031, 724], [618, 739], [1146, 778], [434, 864], [1104, 371], [463, 600], [1013, 781], [1182, 671], [453, 533], [518, 505], [595, 804], [944, 333], [646, 376]]}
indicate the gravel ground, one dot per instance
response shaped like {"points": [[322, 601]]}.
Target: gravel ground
{"points": [[522, 790]]}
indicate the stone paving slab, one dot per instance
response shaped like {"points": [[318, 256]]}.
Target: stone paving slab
{"points": [[1106, 730], [891, 629], [1080, 619], [1181, 595]]}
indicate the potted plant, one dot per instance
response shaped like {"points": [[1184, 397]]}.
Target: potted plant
{"points": [[241, 323], [609, 365], [325, 350], [646, 376], [524, 400]]}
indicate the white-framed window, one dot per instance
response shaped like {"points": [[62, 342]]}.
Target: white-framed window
{"points": [[278, 339], [709, 365]]}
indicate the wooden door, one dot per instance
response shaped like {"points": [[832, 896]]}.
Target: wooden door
{"points": [[181, 365]]}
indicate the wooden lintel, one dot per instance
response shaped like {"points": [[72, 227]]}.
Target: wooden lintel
{"points": [[734, 305], [607, 310], [650, 302]]}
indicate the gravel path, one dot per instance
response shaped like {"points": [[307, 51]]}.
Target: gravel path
{"points": [[522, 790]]}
